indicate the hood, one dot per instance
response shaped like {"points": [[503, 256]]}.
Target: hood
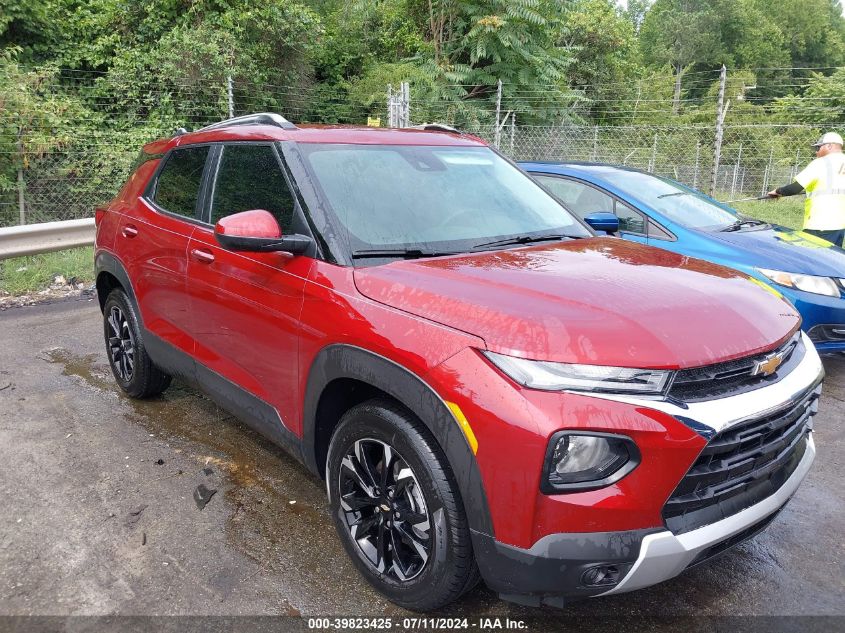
{"points": [[600, 301], [780, 248]]}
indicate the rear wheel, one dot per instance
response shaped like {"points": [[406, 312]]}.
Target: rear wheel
{"points": [[396, 507], [133, 370]]}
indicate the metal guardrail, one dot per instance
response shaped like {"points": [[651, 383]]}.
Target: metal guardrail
{"points": [[31, 239]]}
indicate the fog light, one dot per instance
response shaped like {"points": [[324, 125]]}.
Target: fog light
{"points": [[601, 576]]}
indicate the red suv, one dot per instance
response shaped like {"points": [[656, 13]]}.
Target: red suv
{"points": [[488, 388]]}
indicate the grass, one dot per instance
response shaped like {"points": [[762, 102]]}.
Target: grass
{"points": [[785, 211], [22, 275]]}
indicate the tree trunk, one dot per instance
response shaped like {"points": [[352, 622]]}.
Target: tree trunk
{"points": [[676, 100]]}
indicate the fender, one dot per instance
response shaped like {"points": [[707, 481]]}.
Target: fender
{"points": [[347, 361], [106, 262]]}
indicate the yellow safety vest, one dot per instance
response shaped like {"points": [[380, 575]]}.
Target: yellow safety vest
{"points": [[824, 183]]}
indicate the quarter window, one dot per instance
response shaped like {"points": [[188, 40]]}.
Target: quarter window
{"points": [[178, 185], [630, 221], [250, 178]]}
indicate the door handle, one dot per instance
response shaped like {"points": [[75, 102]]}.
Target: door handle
{"points": [[129, 231], [204, 257]]}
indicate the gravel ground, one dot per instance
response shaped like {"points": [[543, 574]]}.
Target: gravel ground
{"points": [[99, 516]]}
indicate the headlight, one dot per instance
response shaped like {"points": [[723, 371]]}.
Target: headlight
{"points": [[807, 283], [550, 376], [578, 460]]}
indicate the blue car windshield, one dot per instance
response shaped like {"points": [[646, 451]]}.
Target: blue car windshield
{"points": [[432, 198], [687, 207]]}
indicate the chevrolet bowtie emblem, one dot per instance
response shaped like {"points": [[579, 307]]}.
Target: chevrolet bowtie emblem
{"points": [[768, 365]]}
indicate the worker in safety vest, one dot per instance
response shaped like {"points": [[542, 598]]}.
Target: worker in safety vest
{"points": [[823, 180]]}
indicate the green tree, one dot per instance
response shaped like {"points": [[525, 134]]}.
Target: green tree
{"points": [[822, 102], [679, 33], [606, 57]]}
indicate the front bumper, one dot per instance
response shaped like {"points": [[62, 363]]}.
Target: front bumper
{"points": [[554, 567], [818, 311], [664, 555], [552, 571]]}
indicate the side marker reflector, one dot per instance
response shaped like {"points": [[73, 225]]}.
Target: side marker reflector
{"points": [[464, 424]]}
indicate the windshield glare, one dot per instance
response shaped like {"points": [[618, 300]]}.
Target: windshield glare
{"points": [[687, 207], [432, 198]]}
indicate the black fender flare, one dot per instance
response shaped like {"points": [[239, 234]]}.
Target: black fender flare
{"points": [[105, 262], [347, 361]]}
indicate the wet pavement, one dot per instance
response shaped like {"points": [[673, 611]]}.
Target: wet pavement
{"points": [[99, 517]]}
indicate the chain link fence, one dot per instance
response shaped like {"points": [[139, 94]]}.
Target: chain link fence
{"points": [[68, 180]]}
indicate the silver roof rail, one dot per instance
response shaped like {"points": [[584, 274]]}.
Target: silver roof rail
{"points": [[259, 118]]}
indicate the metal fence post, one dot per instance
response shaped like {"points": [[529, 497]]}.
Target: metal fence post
{"points": [[768, 172], [21, 203], [406, 104], [720, 124], [736, 170], [513, 130], [230, 96], [21, 184], [595, 153], [695, 171], [497, 132], [653, 160]]}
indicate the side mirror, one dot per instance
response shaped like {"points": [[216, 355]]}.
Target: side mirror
{"points": [[257, 231], [603, 221]]}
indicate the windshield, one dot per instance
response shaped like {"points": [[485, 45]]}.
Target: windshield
{"points": [[687, 207], [432, 199]]}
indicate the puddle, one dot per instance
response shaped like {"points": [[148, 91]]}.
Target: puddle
{"points": [[261, 479]]}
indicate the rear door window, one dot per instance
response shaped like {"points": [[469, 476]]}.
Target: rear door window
{"points": [[178, 185], [250, 177]]}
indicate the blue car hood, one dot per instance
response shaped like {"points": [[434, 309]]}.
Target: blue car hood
{"points": [[779, 248]]}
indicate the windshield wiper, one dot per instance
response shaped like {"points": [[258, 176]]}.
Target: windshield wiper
{"points": [[528, 239], [405, 253], [736, 226], [676, 193]]}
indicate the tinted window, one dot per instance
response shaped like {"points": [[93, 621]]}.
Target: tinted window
{"points": [[178, 183], [250, 178]]}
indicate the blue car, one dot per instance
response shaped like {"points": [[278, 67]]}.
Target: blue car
{"points": [[808, 271]]}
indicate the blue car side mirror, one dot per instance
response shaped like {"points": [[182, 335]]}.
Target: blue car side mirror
{"points": [[603, 221]]}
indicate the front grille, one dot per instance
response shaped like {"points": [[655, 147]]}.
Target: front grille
{"points": [[736, 376], [742, 465], [826, 333]]}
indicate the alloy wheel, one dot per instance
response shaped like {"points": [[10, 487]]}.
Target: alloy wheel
{"points": [[121, 344], [382, 506]]}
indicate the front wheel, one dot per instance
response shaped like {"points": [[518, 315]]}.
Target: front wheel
{"points": [[397, 509]]}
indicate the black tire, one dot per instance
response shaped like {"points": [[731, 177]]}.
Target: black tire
{"points": [[133, 370], [444, 568]]}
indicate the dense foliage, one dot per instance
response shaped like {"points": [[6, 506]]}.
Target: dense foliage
{"points": [[77, 72]]}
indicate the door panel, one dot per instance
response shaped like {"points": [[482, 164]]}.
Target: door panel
{"points": [[154, 247], [246, 306], [154, 242], [246, 309]]}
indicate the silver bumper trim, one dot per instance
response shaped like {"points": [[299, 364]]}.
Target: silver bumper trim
{"points": [[722, 413], [664, 555]]}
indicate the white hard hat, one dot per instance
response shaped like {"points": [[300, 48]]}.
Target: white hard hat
{"points": [[829, 137]]}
